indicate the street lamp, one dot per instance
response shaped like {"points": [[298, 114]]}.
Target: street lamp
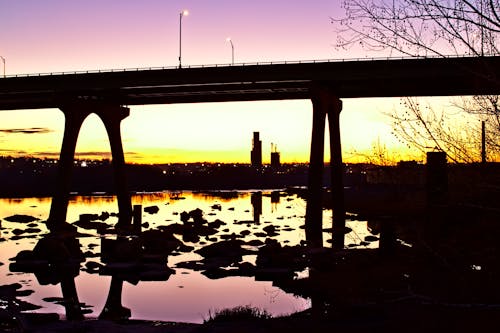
{"points": [[228, 39], [181, 14], [3, 60]]}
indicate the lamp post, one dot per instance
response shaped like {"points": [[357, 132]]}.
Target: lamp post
{"points": [[228, 39], [3, 60], [181, 14]]}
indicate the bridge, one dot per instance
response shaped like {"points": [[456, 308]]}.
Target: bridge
{"points": [[325, 83], [259, 81]]}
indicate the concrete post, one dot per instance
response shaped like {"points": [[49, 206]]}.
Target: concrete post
{"points": [[314, 208], [74, 116], [111, 116], [337, 171]]}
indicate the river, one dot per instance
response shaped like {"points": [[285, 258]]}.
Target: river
{"points": [[187, 295]]}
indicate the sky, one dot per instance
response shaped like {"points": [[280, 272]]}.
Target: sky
{"points": [[60, 35]]}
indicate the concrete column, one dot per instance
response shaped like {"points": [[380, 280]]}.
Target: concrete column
{"points": [[337, 171], [112, 115], [314, 208], [74, 116]]}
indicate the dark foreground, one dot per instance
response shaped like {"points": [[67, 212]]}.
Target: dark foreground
{"points": [[390, 318], [446, 281], [438, 272]]}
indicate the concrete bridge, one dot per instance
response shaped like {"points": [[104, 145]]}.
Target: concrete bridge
{"points": [[325, 83]]}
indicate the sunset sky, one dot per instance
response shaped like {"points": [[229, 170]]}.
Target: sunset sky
{"points": [[60, 35]]}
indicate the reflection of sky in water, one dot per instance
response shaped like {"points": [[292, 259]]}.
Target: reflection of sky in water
{"points": [[187, 295]]}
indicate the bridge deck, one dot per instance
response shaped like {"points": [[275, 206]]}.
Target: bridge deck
{"points": [[349, 79]]}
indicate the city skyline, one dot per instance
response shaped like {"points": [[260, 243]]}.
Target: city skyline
{"points": [[61, 36]]}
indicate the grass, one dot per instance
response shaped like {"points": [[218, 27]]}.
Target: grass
{"points": [[239, 313]]}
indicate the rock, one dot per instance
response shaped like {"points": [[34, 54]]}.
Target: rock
{"points": [[21, 218], [270, 230], [230, 236], [330, 230], [18, 232], [216, 207], [216, 273], [197, 216], [88, 217], [32, 230], [88, 224], [104, 216], [93, 266], [255, 242], [246, 269], [216, 224], [151, 209], [185, 217], [159, 242], [230, 248], [371, 238], [243, 222], [90, 254]]}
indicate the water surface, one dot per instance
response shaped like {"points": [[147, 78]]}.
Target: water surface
{"points": [[187, 295]]}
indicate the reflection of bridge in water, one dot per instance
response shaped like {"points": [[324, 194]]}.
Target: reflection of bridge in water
{"points": [[325, 83]]}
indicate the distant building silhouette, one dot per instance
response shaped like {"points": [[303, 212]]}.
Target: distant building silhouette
{"points": [[256, 153], [275, 156]]}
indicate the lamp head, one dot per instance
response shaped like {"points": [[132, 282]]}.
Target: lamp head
{"points": [[185, 12]]}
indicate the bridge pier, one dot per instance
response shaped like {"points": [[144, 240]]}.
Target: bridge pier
{"points": [[75, 114], [325, 103], [314, 208]]}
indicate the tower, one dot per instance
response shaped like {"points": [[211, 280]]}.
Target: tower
{"points": [[275, 156], [256, 153]]}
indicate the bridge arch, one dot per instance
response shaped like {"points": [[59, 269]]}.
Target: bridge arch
{"points": [[75, 114]]}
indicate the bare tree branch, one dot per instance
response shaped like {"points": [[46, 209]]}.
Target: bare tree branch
{"points": [[439, 28]]}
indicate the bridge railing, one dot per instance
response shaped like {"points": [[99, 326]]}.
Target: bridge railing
{"points": [[240, 64]]}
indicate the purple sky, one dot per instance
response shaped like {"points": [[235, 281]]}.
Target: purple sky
{"points": [[61, 35], [55, 35]]}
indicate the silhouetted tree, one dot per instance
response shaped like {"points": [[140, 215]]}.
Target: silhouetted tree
{"points": [[422, 27], [431, 28], [426, 128]]}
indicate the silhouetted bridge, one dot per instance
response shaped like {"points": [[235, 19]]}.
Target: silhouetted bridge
{"points": [[105, 93], [245, 82]]}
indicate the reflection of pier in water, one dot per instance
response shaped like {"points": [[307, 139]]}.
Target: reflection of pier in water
{"points": [[143, 257]]}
